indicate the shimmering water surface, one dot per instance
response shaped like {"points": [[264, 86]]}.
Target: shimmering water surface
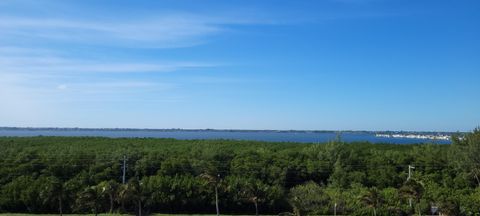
{"points": [[274, 136]]}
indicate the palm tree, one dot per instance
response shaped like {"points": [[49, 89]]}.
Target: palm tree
{"points": [[138, 197], [251, 190], [412, 189], [124, 195], [54, 192], [213, 180], [109, 188], [372, 199], [131, 192], [254, 199], [90, 198]]}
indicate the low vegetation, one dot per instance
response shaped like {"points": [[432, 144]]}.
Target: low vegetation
{"points": [[85, 175]]}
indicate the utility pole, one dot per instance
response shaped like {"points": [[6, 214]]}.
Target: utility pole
{"points": [[410, 167], [124, 167]]}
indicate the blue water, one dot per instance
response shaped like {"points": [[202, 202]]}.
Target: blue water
{"points": [[272, 136]]}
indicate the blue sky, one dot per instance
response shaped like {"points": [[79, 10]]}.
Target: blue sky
{"points": [[246, 64]]}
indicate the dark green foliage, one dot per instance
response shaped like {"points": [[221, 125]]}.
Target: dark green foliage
{"points": [[309, 198], [84, 175]]}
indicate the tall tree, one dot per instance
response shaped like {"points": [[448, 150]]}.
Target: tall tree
{"points": [[466, 153], [109, 189], [373, 199], [54, 192], [309, 199], [131, 193], [89, 198], [252, 190], [412, 190], [214, 181]]}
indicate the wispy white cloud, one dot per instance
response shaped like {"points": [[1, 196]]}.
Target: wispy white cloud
{"points": [[114, 86], [42, 78], [22, 51], [164, 31], [52, 64], [31, 67], [43, 73]]}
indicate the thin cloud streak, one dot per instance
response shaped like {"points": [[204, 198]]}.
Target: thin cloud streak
{"points": [[32, 78], [62, 64], [44, 66], [115, 87], [167, 31]]}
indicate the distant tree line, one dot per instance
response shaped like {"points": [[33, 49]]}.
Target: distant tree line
{"points": [[85, 175]]}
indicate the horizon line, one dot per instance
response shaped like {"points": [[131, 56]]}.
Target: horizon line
{"points": [[224, 129]]}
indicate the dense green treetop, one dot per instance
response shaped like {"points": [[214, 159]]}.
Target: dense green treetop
{"points": [[84, 174]]}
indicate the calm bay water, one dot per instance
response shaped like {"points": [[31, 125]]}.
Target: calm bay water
{"points": [[273, 136]]}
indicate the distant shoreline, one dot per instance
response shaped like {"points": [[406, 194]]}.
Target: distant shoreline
{"points": [[417, 136], [391, 133], [302, 136]]}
